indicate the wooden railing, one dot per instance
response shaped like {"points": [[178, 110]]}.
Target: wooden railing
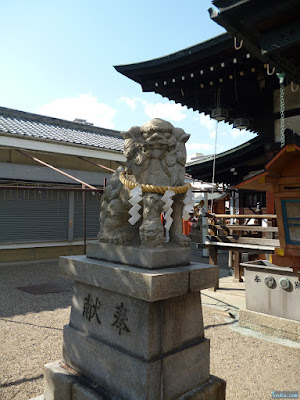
{"points": [[259, 237]]}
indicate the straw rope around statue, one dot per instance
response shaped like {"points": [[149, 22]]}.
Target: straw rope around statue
{"points": [[153, 188]]}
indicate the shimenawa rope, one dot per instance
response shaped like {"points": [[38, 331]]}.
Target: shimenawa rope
{"points": [[152, 188]]}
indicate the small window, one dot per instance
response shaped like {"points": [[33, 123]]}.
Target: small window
{"points": [[291, 220]]}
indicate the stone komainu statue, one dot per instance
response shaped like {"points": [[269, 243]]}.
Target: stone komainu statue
{"points": [[156, 155]]}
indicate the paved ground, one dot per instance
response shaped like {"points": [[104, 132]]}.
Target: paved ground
{"points": [[31, 335]]}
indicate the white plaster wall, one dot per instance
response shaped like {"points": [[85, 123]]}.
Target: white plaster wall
{"points": [[292, 123], [291, 100]]}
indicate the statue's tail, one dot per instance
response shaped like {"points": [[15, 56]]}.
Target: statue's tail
{"points": [[113, 188], [111, 192]]}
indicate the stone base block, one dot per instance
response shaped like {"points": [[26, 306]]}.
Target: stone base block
{"points": [[135, 333], [67, 384], [213, 389], [145, 329], [168, 256], [131, 377], [272, 290], [270, 325], [148, 285]]}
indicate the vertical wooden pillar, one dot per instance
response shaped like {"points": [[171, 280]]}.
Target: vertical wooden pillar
{"points": [[213, 259], [270, 200], [237, 268], [213, 255], [230, 258]]}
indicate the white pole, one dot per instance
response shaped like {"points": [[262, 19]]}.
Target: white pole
{"points": [[204, 223], [237, 203], [232, 210]]}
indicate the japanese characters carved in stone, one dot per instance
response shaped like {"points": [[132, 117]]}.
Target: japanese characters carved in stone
{"points": [[156, 155]]}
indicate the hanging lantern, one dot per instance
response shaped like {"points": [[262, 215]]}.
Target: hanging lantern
{"points": [[219, 113], [241, 123]]}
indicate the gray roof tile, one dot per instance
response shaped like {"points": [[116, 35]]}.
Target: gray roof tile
{"points": [[39, 126]]}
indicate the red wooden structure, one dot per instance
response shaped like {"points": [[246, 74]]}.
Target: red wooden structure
{"points": [[282, 178]]}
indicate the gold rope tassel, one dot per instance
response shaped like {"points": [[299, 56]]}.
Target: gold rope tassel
{"points": [[152, 188]]}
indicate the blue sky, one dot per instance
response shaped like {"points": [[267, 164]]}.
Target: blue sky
{"points": [[58, 57]]}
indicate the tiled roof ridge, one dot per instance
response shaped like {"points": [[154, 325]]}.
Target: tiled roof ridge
{"points": [[13, 113]]}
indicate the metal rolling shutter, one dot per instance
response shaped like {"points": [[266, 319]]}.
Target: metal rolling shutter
{"points": [[92, 215], [33, 216]]}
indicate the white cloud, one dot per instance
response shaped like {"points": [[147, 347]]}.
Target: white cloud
{"points": [[207, 122], [130, 101], [85, 106], [227, 130], [199, 147], [237, 132], [220, 148], [204, 148], [168, 111]]}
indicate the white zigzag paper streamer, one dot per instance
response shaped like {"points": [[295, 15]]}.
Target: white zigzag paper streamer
{"points": [[188, 205], [136, 197], [167, 199]]}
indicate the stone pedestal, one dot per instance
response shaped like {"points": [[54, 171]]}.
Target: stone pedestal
{"points": [[136, 256], [272, 290], [272, 300], [134, 334]]}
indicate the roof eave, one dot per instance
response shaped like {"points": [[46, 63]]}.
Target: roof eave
{"points": [[136, 71], [256, 182], [234, 150], [59, 147]]}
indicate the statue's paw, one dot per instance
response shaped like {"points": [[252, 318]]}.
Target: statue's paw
{"points": [[113, 238], [118, 238], [152, 244], [102, 238], [151, 233]]}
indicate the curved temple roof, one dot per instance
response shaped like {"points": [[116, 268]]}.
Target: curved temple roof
{"points": [[208, 75]]}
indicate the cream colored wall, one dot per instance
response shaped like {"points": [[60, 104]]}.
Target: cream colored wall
{"points": [[291, 102], [57, 160], [292, 123], [39, 253]]}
